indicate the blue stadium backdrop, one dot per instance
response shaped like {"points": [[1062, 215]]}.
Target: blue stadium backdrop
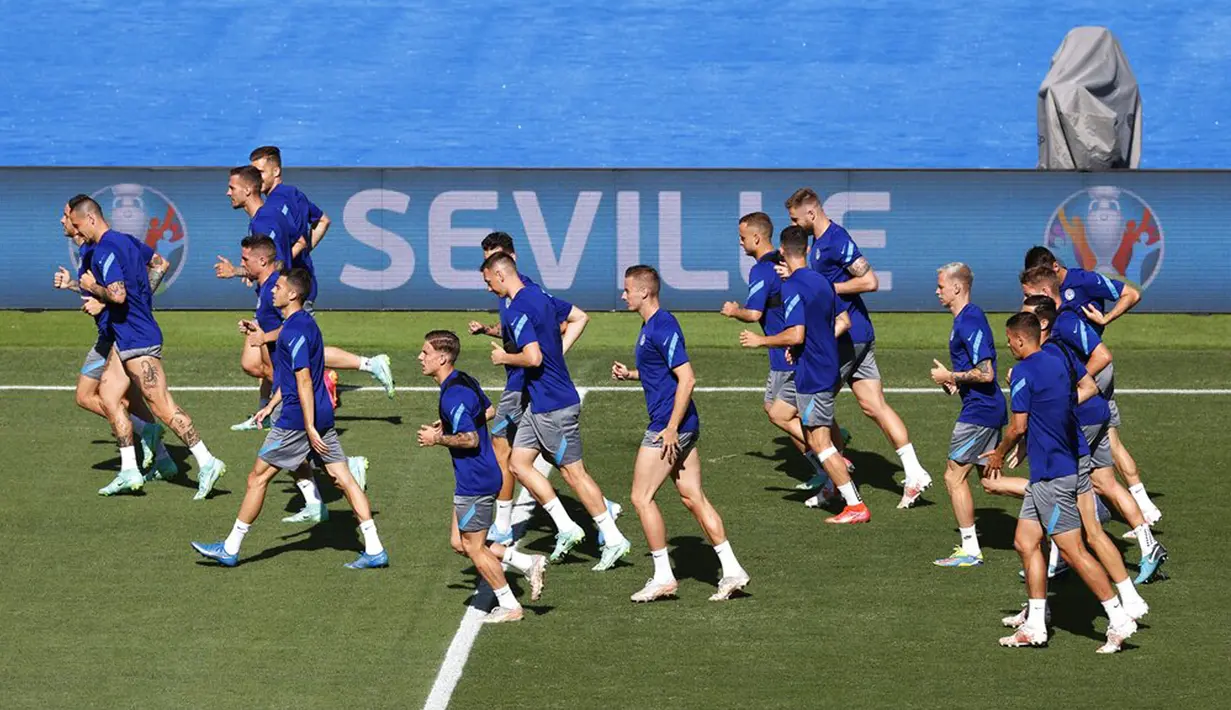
{"points": [[408, 238]]}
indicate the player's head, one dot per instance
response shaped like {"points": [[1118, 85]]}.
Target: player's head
{"points": [[793, 243], [258, 254], [66, 220], [1040, 281], [243, 185], [1023, 333], [1041, 256], [498, 242], [500, 273], [756, 233], [293, 286], [1043, 308], [641, 283], [804, 207], [953, 281], [440, 350], [268, 161], [86, 218]]}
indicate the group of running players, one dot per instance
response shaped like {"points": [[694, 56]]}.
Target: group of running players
{"points": [[805, 294]]}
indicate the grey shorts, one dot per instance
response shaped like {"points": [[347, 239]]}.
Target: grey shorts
{"points": [[556, 434], [1100, 447], [780, 385], [815, 409], [474, 513], [288, 448], [857, 361], [688, 442], [971, 440], [508, 414], [96, 359], [1115, 414], [1106, 381], [1053, 504], [151, 351]]}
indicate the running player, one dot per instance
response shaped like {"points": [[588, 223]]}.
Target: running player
{"points": [[810, 321], [1085, 293], [87, 394], [763, 305], [244, 191], [118, 277], [972, 352], [552, 426], [462, 428], [669, 447], [1044, 405], [304, 429], [836, 256]]}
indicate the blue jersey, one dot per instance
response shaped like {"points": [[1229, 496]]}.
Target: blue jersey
{"points": [[531, 318], [660, 349], [515, 378], [809, 300], [300, 346], [1075, 334], [303, 215], [463, 408], [120, 257], [830, 256], [1081, 287], [1094, 410], [266, 315], [765, 295], [274, 221], [1042, 387], [970, 343], [85, 255]]}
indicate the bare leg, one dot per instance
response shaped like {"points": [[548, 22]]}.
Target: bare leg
{"points": [[88, 396], [1104, 549], [959, 493], [1080, 559], [153, 381], [254, 495], [649, 472], [1125, 463], [871, 398], [1106, 485], [358, 500], [688, 483]]}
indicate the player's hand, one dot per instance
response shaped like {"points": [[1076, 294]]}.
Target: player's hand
{"points": [[429, 435], [476, 328], [670, 439], [783, 272], [940, 374], [995, 463], [224, 269], [264, 413], [949, 388], [749, 339], [318, 444], [619, 371], [730, 308], [789, 355], [1008, 378], [498, 353], [63, 279], [1093, 314], [246, 326], [93, 306], [88, 282]]}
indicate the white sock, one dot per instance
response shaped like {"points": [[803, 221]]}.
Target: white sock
{"points": [[365, 364], [1145, 538], [1053, 558], [128, 458], [662, 566], [910, 462], [1128, 593], [504, 514], [138, 424], [542, 466], [504, 595], [236, 538], [519, 561], [1116, 615], [559, 515], [371, 541], [815, 461], [726, 556], [201, 454], [611, 534], [311, 495], [1142, 498], [970, 541], [1036, 614], [849, 494]]}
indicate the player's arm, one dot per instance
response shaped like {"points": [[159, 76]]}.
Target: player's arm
{"points": [[621, 372], [530, 355], [307, 404], [1126, 298], [1086, 388], [64, 280], [863, 278], [1100, 358], [477, 328], [574, 325], [156, 270], [274, 400], [1012, 435], [224, 269], [841, 324], [465, 435], [112, 292], [731, 309], [789, 337], [686, 381], [319, 225], [981, 374], [298, 247]]}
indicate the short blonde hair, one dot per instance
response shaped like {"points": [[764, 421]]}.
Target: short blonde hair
{"points": [[959, 271]]}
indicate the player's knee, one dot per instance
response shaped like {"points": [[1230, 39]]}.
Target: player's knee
{"points": [[955, 477], [458, 547], [1024, 544], [692, 498], [641, 499], [87, 400]]}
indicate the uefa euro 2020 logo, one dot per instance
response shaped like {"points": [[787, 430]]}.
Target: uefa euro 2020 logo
{"points": [[1109, 230], [148, 215]]}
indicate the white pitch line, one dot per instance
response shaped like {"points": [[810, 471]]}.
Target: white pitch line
{"points": [[451, 667], [601, 388]]}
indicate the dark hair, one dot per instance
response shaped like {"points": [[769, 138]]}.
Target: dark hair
{"points": [[261, 243], [77, 199], [646, 274], [803, 196], [249, 175], [300, 281], [1043, 307], [267, 151], [1040, 256], [445, 341], [793, 241], [499, 261], [1039, 274], [1025, 323], [500, 241], [85, 206], [760, 222]]}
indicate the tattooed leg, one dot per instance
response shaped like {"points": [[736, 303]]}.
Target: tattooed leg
{"points": [[111, 389]]}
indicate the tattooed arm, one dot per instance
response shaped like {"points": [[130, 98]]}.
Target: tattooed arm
{"points": [[981, 374], [863, 278], [433, 435], [158, 267]]}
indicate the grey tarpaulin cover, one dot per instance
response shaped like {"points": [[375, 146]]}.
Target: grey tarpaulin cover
{"points": [[1089, 105]]}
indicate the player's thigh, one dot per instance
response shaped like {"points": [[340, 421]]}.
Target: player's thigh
{"points": [[87, 387], [1028, 534], [957, 473], [687, 475], [869, 394], [148, 373], [650, 469], [262, 472], [781, 411], [455, 536]]}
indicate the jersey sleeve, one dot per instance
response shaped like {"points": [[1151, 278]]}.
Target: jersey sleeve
{"points": [[314, 213], [848, 251], [461, 405], [521, 327], [1087, 338], [106, 265], [1100, 286], [758, 287], [1019, 390], [792, 305], [147, 252], [670, 342], [978, 341], [562, 308], [298, 344]]}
